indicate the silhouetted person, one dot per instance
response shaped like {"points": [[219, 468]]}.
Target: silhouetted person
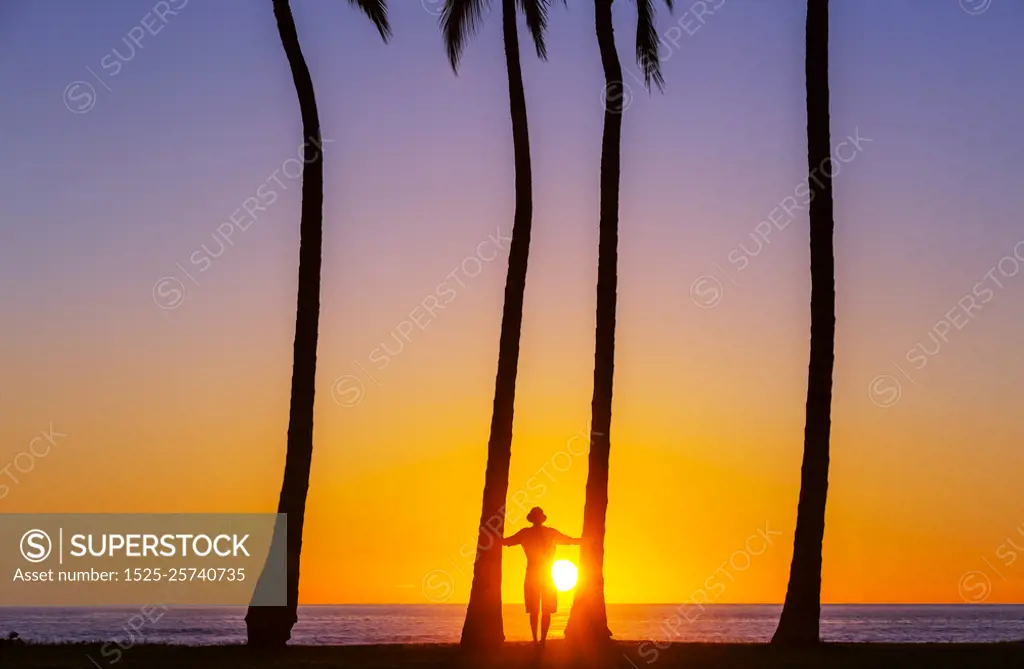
{"points": [[539, 543]]}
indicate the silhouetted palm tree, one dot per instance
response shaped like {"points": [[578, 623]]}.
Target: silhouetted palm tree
{"points": [[588, 620], [272, 626], [459, 20], [801, 612]]}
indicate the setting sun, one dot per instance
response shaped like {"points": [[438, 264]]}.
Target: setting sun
{"points": [[564, 573]]}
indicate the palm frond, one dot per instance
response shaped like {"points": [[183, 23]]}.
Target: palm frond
{"points": [[647, 41], [377, 11], [536, 14], [460, 19]]}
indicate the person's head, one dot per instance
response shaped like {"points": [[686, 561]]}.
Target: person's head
{"points": [[536, 516]]}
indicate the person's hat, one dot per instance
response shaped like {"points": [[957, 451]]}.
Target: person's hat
{"points": [[536, 515]]}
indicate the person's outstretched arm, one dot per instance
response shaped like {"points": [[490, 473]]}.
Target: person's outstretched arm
{"points": [[566, 540], [513, 540]]}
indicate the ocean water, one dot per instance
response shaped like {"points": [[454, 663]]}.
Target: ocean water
{"points": [[328, 625]]}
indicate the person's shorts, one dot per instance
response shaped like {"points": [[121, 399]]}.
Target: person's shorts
{"points": [[540, 593]]}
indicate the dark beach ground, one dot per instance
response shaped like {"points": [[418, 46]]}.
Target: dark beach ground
{"points": [[624, 655]]}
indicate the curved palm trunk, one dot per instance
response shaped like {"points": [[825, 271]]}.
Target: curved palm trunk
{"points": [[483, 626], [271, 626], [588, 621], [802, 610]]}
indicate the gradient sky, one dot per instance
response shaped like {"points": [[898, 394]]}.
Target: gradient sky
{"points": [[185, 409]]}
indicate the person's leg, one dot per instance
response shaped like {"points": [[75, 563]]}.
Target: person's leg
{"points": [[532, 595], [549, 605], [545, 625]]}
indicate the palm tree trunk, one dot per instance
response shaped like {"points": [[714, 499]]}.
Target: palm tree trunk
{"points": [[801, 613], [483, 626], [271, 626], [588, 621]]}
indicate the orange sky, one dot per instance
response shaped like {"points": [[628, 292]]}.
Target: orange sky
{"points": [[703, 463]]}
